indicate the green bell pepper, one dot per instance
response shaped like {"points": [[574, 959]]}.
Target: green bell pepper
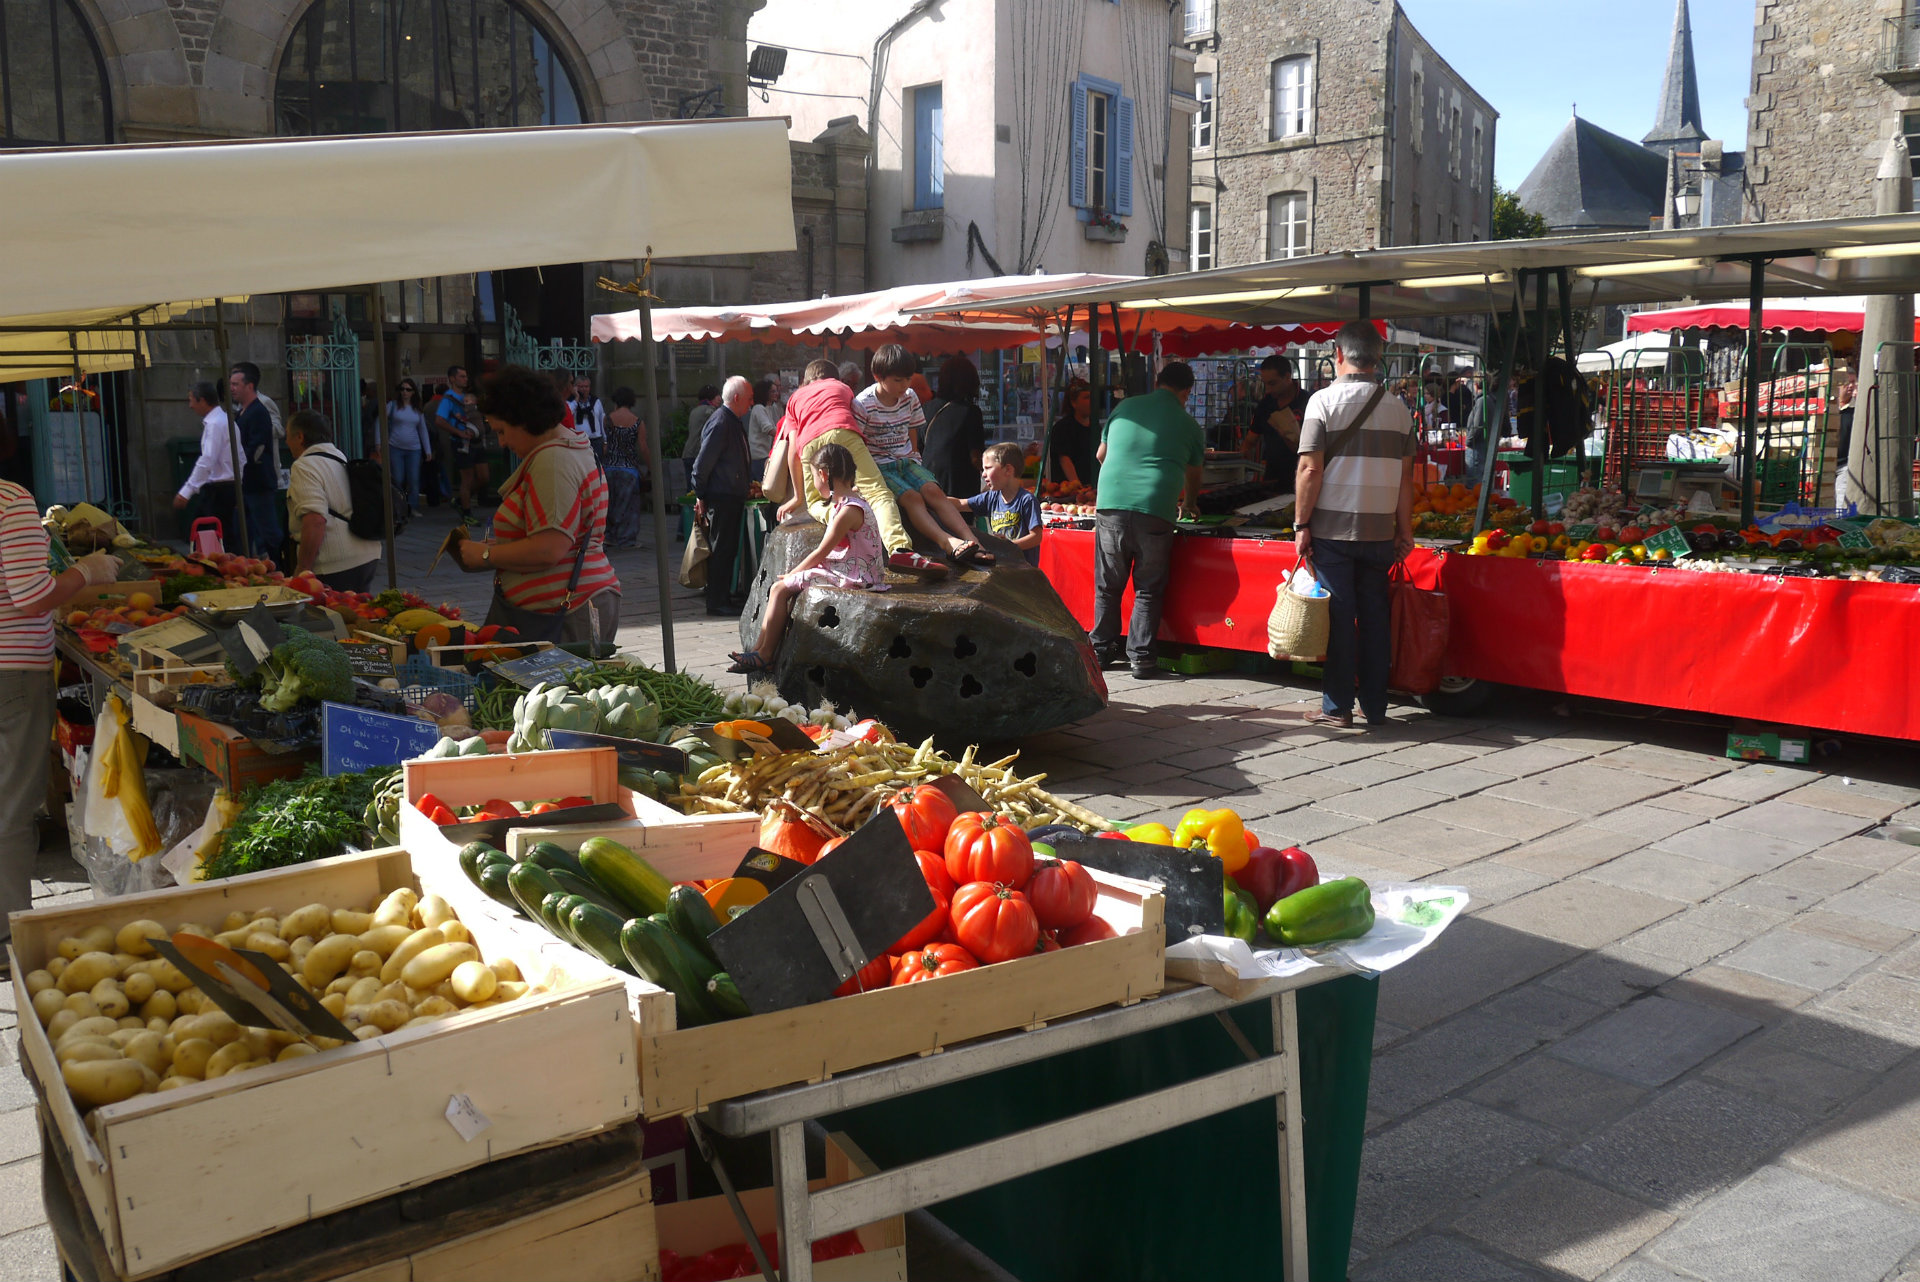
{"points": [[1320, 914], [1242, 913]]}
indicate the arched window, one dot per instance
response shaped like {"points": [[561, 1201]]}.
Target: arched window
{"points": [[381, 66], [53, 84]]}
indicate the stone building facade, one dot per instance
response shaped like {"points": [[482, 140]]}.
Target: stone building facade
{"points": [[1831, 84], [1328, 126]]}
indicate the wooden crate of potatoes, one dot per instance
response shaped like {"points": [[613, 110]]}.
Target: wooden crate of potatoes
{"points": [[188, 1133]]}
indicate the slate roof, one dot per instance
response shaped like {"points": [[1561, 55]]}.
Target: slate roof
{"points": [[1592, 180]]}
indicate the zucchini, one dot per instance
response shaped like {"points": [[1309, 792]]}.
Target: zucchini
{"points": [[724, 995], [471, 856], [493, 880], [625, 876], [530, 884], [691, 917], [578, 883], [657, 953], [599, 933], [550, 914], [545, 854]]}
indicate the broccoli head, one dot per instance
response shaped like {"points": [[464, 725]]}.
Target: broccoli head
{"points": [[305, 666]]}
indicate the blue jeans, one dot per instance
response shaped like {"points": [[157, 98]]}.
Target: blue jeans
{"points": [[1360, 640], [406, 475], [264, 531]]}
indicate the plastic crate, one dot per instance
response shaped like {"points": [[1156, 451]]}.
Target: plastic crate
{"points": [[420, 678]]}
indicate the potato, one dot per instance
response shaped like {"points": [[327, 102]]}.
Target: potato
{"points": [[435, 1006], [226, 1059], [70, 947], [131, 1021], [364, 962], [415, 944], [418, 1020], [326, 959], [384, 939], [364, 991], [234, 938], [474, 981], [215, 1025], [83, 1005], [396, 909], [367, 1032], [47, 1003], [122, 960], [174, 1083], [387, 1015], [190, 1057], [191, 1002], [345, 921], [160, 1006], [435, 964], [138, 987], [394, 992], [297, 952], [325, 1043], [336, 1004], [272, 945], [107, 996], [195, 928], [61, 1024], [296, 1051], [510, 990], [435, 911], [171, 977], [93, 1026], [100, 1082], [341, 984], [86, 1048], [88, 969], [314, 919], [56, 967], [505, 969], [445, 987], [456, 932], [233, 921], [145, 1047], [159, 1025], [119, 1037], [39, 981]]}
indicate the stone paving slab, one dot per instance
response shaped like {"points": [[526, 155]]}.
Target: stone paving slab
{"points": [[1664, 763], [1566, 1223], [1845, 799], [1529, 759], [1425, 835], [1441, 1060], [1586, 788], [1784, 819], [1793, 957], [1800, 1082], [1433, 1257], [1685, 1144], [1869, 852], [1829, 1233], [1654, 1040], [1887, 1004], [1817, 876], [1418, 1170], [1513, 819], [1382, 801], [1754, 783], [1876, 905], [1572, 850], [1858, 931], [1681, 939], [1553, 1092], [1755, 997], [1750, 852], [1647, 821], [1482, 959], [1670, 876], [1614, 975], [1871, 1145], [1491, 882], [1459, 780], [1581, 912]]}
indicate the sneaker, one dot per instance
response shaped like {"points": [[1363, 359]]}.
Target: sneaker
{"points": [[915, 562], [1148, 671], [1108, 658]]}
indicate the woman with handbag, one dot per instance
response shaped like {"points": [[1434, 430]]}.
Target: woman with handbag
{"points": [[552, 579]]}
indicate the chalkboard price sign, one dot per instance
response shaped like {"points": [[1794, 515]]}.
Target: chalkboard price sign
{"points": [[369, 659], [1673, 540], [1854, 540], [354, 739], [545, 665]]}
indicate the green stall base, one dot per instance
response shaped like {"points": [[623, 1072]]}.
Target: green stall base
{"points": [[1199, 1201]]}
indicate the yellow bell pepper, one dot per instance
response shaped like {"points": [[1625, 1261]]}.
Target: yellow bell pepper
{"points": [[1152, 834], [1221, 831]]}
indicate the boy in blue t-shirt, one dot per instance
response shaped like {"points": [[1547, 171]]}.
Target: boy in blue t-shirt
{"points": [[1008, 506]]}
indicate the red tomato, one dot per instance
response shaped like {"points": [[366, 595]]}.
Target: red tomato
{"points": [[567, 802], [1062, 892], [1090, 931], [877, 973], [832, 843], [932, 962], [501, 808], [1048, 943], [926, 814], [934, 869], [994, 923], [541, 807], [990, 848]]}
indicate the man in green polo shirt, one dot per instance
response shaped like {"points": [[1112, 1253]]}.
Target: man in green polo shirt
{"points": [[1150, 456]]}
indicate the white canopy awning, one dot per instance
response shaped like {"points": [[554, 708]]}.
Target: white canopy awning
{"points": [[121, 228]]}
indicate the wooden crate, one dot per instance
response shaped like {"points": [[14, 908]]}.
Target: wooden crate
{"points": [[654, 823], [705, 1224], [176, 1176], [683, 1070], [237, 761]]}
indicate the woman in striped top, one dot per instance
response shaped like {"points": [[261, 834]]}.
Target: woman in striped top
{"points": [[29, 593], [552, 579]]}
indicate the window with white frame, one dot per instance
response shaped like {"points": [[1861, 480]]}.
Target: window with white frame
{"points": [[1291, 93], [1200, 236], [1099, 148], [1418, 132], [1196, 18], [1203, 118], [1101, 177], [1287, 224]]}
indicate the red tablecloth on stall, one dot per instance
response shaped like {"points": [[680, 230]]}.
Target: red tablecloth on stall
{"points": [[1823, 653]]}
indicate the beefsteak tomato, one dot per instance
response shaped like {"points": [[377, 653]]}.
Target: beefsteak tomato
{"points": [[1090, 931], [926, 813], [877, 973], [995, 923], [990, 848], [932, 962], [1062, 893]]}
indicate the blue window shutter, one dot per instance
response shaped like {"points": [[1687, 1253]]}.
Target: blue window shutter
{"points": [[1077, 180], [1123, 156], [928, 178]]}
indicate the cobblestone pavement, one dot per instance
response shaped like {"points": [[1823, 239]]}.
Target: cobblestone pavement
{"points": [[1673, 1037]]}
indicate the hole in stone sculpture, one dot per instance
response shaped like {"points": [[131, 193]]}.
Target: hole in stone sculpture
{"points": [[969, 687], [829, 618], [1027, 664], [817, 675], [900, 649], [920, 677], [963, 648]]}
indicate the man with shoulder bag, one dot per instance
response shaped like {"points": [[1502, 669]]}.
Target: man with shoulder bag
{"points": [[1353, 520], [321, 509]]}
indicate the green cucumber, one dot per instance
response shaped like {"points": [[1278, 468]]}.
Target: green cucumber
{"points": [[493, 880], [471, 856], [663, 958], [530, 884], [724, 996], [578, 883], [550, 913], [692, 918], [546, 854], [599, 933], [625, 876]]}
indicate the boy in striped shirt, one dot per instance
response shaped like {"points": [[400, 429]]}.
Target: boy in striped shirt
{"points": [[890, 419]]}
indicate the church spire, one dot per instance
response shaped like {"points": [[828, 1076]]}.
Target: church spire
{"points": [[1678, 125]]}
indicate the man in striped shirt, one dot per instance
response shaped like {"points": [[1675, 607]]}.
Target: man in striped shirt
{"points": [[1353, 519], [29, 593]]}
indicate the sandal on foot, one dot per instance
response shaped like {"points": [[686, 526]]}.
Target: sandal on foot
{"points": [[975, 555], [747, 662], [1331, 721]]}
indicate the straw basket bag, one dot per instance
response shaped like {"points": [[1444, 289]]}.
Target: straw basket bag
{"points": [[1298, 627]]}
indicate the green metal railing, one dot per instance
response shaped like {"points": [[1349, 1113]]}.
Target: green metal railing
{"points": [[324, 371]]}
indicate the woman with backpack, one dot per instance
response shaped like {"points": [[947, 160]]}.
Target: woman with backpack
{"points": [[320, 509]]}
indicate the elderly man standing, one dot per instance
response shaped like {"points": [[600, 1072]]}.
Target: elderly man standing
{"points": [[1353, 519], [722, 479], [1150, 456]]}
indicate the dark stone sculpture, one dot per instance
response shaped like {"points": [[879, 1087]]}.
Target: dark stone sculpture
{"points": [[982, 656]]}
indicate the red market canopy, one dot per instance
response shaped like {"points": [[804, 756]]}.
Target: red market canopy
{"points": [[1826, 315]]}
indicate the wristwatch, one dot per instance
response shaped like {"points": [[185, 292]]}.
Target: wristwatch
{"points": [[1300, 525]]}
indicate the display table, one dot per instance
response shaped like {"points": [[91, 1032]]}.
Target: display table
{"points": [[1828, 654]]}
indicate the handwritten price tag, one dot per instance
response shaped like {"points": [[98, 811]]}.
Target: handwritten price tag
{"points": [[466, 1119]]}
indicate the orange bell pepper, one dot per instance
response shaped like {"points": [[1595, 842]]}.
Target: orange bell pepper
{"points": [[1221, 831]]}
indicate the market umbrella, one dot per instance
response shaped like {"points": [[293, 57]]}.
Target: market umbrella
{"points": [[1827, 315]]}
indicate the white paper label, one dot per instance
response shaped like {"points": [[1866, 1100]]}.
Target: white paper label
{"points": [[466, 1119]]}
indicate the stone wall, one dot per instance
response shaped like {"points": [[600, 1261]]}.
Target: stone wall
{"points": [[1439, 188], [1818, 117]]}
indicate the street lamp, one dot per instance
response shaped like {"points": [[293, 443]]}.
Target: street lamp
{"points": [[1686, 203]]}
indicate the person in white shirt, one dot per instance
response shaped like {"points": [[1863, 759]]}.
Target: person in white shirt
{"points": [[320, 505], [589, 415], [213, 472], [762, 421]]}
